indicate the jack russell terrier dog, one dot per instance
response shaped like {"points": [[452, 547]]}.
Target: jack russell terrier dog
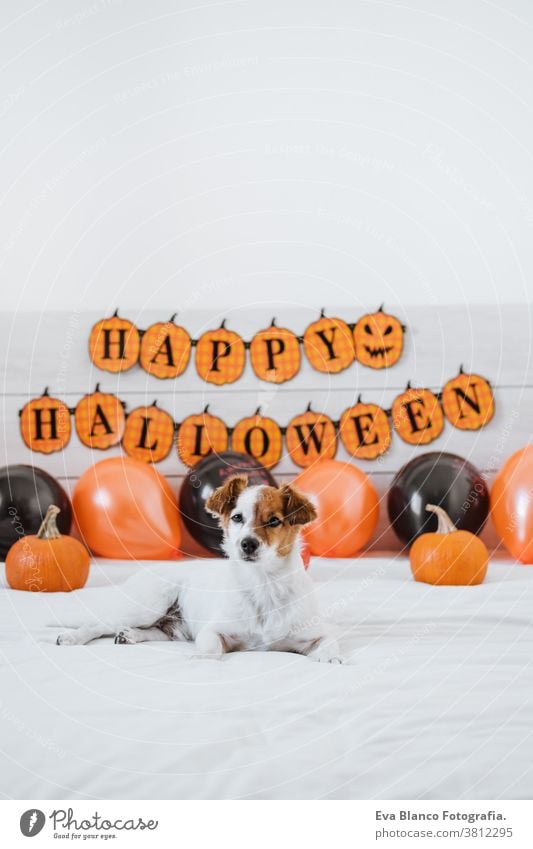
{"points": [[259, 598]]}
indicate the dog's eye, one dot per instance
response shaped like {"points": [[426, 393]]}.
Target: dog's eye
{"points": [[237, 518], [273, 522]]}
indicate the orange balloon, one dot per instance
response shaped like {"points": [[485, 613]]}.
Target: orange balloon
{"points": [[511, 504], [127, 510], [347, 504]]}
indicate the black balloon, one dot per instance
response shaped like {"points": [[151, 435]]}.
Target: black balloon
{"points": [[202, 480], [437, 478], [25, 494]]}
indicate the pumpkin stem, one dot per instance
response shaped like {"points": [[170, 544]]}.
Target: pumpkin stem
{"points": [[115, 314], [48, 529], [222, 324], [461, 369], [97, 387], [309, 410], [381, 307], [359, 397], [206, 408], [323, 312], [172, 317], [45, 393], [446, 526], [258, 412], [273, 322]]}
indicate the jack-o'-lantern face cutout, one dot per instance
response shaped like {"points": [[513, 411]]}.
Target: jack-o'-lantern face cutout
{"points": [[99, 420], [417, 416], [200, 435], [114, 344], [220, 356], [310, 437], [45, 424], [378, 339], [365, 431], [165, 350], [275, 354], [260, 438], [149, 434], [328, 345], [468, 401]]}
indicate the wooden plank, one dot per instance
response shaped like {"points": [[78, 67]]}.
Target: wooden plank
{"points": [[510, 429], [51, 349]]}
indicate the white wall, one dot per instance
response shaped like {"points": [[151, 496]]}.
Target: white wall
{"points": [[174, 154]]}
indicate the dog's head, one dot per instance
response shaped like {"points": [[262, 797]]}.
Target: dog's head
{"points": [[259, 522]]}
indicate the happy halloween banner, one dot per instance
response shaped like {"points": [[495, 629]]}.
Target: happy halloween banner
{"points": [[149, 433], [164, 349]]}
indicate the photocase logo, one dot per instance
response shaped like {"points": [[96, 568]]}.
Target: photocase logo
{"points": [[32, 822]]}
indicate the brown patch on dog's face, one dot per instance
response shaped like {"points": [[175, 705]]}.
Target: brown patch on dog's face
{"points": [[279, 516], [222, 501]]}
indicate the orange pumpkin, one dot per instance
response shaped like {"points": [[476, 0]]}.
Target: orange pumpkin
{"points": [[417, 416], [46, 561], [100, 420], [365, 431], [199, 435], [468, 401], [328, 344], [448, 557], [148, 434], [114, 344], [220, 356], [275, 354], [165, 349], [45, 424], [378, 339], [260, 438], [311, 436]]}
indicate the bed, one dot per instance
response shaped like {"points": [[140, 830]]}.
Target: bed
{"points": [[435, 702]]}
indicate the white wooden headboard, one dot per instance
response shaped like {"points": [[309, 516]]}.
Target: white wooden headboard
{"points": [[51, 349]]}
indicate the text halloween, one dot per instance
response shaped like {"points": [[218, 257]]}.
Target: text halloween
{"points": [[164, 349], [149, 433]]}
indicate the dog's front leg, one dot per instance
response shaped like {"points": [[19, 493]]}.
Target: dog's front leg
{"points": [[323, 648]]}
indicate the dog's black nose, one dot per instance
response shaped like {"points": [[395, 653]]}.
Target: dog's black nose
{"points": [[249, 545]]}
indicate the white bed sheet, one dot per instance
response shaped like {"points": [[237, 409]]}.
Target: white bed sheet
{"points": [[436, 701]]}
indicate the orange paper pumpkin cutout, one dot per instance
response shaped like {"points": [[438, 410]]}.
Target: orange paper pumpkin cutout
{"points": [[114, 344], [378, 339], [417, 416], [310, 437], [328, 345], [149, 434], [260, 438], [45, 424], [100, 420], [365, 431], [468, 401], [220, 356], [165, 349], [199, 435], [275, 354]]}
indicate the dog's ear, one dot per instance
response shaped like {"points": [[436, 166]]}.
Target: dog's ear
{"points": [[222, 501], [297, 508]]}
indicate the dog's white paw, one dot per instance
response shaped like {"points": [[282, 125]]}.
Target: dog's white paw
{"points": [[125, 636], [68, 638]]}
